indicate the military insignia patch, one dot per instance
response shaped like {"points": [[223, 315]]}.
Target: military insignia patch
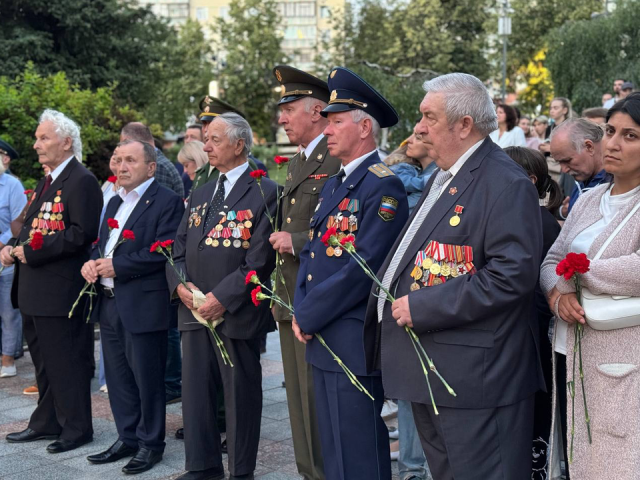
{"points": [[279, 76], [381, 170], [334, 95], [388, 208], [333, 74]]}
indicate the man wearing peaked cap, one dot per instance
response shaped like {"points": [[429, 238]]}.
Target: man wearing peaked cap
{"points": [[364, 199], [303, 97]]}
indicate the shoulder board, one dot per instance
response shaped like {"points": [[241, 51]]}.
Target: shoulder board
{"points": [[381, 170]]}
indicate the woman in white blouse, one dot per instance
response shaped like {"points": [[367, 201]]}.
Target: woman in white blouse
{"points": [[508, 133]]}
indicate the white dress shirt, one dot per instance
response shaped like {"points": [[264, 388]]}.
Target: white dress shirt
{"points": [[58, 170], [512, 138], [352, 165], [231, 177], [456, 167], [129, 202], [312, 145]]}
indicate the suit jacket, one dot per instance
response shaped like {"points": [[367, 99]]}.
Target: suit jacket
{"points": [[332, 291], [50, 281], [480, 329], [222, 270], [205, 175], [299, 200], [140, 285]]}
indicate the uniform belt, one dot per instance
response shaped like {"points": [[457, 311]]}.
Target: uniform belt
{"points": [[108, 292]]}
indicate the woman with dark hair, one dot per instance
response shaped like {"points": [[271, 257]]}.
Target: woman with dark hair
{"points": [[604, 224], [507, 135], [549, 193]]}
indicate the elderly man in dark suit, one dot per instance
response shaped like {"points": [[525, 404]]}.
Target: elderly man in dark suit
{"points": [[65, 208], [303, 97], [464, 272], [224, 235], [133, 306], [367, 200]]}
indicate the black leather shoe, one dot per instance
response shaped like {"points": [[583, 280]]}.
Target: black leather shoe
{"points": [[223, 446], [209, 474], [143, 460], [114, 453], [62, 445], [28, 435], [180, 433], [248, 476]]}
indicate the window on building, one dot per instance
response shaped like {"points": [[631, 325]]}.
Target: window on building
{"points": [[202, 14], [325, 12], [224, 13]]}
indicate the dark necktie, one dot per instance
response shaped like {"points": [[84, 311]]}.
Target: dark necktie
{"points": [[340, 176], [216, 202], [47, 184]]}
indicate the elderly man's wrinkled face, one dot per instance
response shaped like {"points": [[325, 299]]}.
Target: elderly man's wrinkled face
{"points": [[132, 169], [295, 121], [52, 149], [441, 140], [223, 154], [343, 135], [581, 166]]}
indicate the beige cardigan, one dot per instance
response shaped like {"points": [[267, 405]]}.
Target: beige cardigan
{"points": [[611, 359]]}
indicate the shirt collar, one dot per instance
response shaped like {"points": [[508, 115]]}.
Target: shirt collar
{"points": [[55, 173], [235, 173], [139, 191], [596, 180], [351, 166], [312, 145], [456, 167]]}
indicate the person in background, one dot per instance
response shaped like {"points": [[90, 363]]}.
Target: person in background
{"points": [[540, 125], [507, 135], [12, 203], [193, 134], [605, 98], [550, 195], [617, 86], [529, 133], [596, 114], [192, 157], [559, 111], [626, 90]]}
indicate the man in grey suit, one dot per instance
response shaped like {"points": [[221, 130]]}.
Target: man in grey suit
{"points": [[224, 235], [464, 271]]}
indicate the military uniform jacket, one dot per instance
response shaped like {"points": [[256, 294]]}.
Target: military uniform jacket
{"points": [[332, 291], [50, 281], [479, 326], [222, 269], [302, 188]]}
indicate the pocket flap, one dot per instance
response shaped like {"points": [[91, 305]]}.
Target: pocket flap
{"points": [[312, 189], [467, 337]]}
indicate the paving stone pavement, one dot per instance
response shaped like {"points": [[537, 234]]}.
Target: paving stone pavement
{"points": [[31, 461]]}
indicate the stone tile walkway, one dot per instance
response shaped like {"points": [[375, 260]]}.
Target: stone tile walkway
{"points": [[31, 461]]}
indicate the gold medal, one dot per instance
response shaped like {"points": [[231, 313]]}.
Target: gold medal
{"points": [[44, 231], [454, 221], [414, 286], [237, 244], [245, 245], [219, 227], [226, 242], [215, 243], [337, 252], [248, 224], [434, 269], [40, 215], [426, 264], [59, 216], [454, 272], [416, 273], [197, 221], [330, 251], [445, 270], [311, 234], [437, 281], [208, 241], [232, 225], [57, 199]]}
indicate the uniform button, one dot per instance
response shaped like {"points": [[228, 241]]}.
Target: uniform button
{"points": [[200, 247], [309, 277], [319, 234], [313, 255], [314, 189], [288, 220], [293, 201]]}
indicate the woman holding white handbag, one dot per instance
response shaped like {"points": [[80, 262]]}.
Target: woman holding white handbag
{"points": [[605, 225]]}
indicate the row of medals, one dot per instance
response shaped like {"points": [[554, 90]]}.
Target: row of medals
{"points": [[430, 266], [346, 224], [240, 226], [46, 214]]}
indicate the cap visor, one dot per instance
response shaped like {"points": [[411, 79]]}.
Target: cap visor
{"points": [[290, 98], [336, 108]]}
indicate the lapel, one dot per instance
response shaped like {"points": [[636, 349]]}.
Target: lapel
{"points": [[342, 190], [145, 202], [237, 192], [315, 161], [443, 205], [110, 212], [50, 194]]}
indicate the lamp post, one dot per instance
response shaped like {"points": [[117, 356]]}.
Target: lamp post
{"points": [[504, 30]]}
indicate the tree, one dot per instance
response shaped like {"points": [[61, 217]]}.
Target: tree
{"points": [[586, 56], [539, 89], [24, 98], [250, 40]]}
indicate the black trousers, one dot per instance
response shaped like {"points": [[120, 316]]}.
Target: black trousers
{"points": [[477, 444], [134, 365], [203, 372], [61, 349]]}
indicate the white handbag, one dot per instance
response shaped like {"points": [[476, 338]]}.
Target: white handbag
{"points": [[610, 312]]}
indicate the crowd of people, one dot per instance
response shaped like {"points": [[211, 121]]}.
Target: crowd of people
{"points": [[429, 276]]}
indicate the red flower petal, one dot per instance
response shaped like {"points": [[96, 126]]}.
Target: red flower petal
{"points": [[128, 235], [112, 179], [254, 295], [112, 223], [331, 232], [258, 174]]}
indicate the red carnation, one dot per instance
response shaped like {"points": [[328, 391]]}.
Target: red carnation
{"points": [[331, 232], [96, 241], [166, 244], [36, 241], [258, 174], [112, 223], [280, 160], [250, 278], [128, 235], [28, 192], [112, 179], [254, 295], [573, 263], [156, 247], [348, 239]]}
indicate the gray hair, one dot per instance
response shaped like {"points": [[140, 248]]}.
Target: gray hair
{"points": [[148, 150], [464, 95], [579, 130], [309, 102], [237, 129], [357, 115], [64, 128]]}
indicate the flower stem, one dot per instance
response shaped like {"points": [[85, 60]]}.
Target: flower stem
{"points": [[580, 332]]}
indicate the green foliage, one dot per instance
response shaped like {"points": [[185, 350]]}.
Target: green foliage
{"points": [[24, 98], [586, 56], [252, 42], [539, 89]]}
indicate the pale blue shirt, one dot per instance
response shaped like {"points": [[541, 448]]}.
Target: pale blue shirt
{"points": [[12, 202], [350, 167], [58, 170]]}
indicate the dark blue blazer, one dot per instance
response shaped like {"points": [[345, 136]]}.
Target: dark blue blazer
{"points": [[480, 330], [140, 284], [331, 292]]}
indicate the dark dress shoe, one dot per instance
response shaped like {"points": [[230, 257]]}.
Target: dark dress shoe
{"points": [[114, 453], [209, 474], [180, 433], [28, 435], [223, 446], [143, 460], [62, 445]]}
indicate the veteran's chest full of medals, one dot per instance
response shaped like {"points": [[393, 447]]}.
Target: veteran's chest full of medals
{"points": [[232, 230], [440, 262], [50, 218], [344, 220]]}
